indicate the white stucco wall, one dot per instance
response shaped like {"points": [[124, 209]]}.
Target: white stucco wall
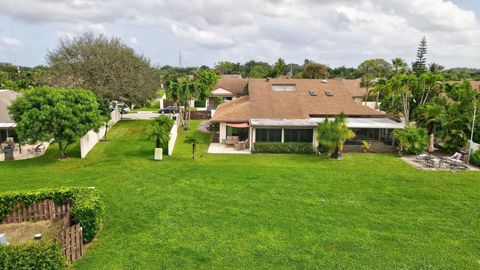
{"points": [[173, 138], [91, 138]]}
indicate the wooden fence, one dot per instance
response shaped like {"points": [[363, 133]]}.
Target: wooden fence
{"points": [[200, 115], [71, 237], [44, 210], [72, 242]]}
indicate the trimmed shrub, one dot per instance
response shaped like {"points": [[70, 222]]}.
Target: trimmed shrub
{"points": [[475, 158], [87, 205], [34, 255], [288, 147], [200, 103]]}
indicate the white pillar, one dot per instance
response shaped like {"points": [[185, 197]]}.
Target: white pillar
{"points": [[223, 131], [283, 135]]}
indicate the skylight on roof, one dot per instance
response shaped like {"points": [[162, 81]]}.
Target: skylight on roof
{"points": [[284, 87]]}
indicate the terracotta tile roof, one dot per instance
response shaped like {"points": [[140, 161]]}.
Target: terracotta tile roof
{"points": [[264, 103], [234, 85], [353, 86], [475, 84]]}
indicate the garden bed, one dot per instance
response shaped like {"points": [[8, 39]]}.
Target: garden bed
{"points": [[20, 233]]}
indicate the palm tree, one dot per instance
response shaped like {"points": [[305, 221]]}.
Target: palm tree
{"points": [[332, 136], [160, 130], [193, 139], [399, 65]]}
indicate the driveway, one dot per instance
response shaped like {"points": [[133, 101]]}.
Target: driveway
{"points": [[140, 116]]}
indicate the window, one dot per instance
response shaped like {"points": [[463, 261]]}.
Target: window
{"points": [[287, 87], [268, 135], [298, 135]]}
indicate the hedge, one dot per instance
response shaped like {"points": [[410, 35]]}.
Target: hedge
{"points": [[34, 255], [475, 158], [87, 205], [288, 147]]}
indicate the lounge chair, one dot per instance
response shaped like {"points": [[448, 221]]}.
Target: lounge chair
{"points": [[455, 161]]}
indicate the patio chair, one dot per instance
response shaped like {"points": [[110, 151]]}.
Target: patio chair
{"points": [[422, 157], [232, 140], [455, 161]]}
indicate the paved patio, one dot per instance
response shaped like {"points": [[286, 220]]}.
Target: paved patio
{"points": [[219, 148], [27, 152], [421, 165]]}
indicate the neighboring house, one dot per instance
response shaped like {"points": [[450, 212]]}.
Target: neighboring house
{"points": [[227, 88], [288, 110], [354, 88], [475, 84], [7, 125]]}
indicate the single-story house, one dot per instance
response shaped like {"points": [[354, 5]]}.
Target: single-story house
{"points": [[288, 110], [7, 125], [228, 87]]}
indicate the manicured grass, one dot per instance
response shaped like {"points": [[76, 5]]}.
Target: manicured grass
{"points": [[153, 106], [369, 211]]}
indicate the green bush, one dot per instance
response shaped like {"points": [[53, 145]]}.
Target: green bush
{"points": [[475, 158], [413, 140], [87, 206], [288, 147], [34, 255], [200, 103]]}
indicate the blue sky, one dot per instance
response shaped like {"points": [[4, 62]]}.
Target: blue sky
{"points": [[341, 32]]}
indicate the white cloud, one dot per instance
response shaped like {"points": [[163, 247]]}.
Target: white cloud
{"points": [[334, 32], [10, 42]]}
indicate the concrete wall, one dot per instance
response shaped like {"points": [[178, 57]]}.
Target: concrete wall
{"points": [[91, 138], [173, 138]]}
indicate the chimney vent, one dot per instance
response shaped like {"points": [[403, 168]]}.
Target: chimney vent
{"points": [[324, 81]]}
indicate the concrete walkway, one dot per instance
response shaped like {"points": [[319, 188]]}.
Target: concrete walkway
{"points": [[203, 127], [219, 148]]}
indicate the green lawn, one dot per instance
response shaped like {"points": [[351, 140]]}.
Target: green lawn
{"points": [[369, 211]]}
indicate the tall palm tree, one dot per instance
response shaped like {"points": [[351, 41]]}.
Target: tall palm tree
{"points": [[193, 139]]}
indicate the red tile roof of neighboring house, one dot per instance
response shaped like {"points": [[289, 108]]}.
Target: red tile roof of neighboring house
{"points": [[264, 103], [235, 85]]}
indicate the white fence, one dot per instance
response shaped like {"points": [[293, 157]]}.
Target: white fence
{"points": [[473, 146], [91, 138], [173, 138]]}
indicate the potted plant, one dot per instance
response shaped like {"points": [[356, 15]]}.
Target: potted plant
{"points": [[160, 130], [365, 146]]}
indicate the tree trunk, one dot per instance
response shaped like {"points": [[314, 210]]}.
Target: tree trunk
{"points": [[158, 142], [335, 153], [106, 131], [193, 151], [366, 96], [63, 150], [376, 100]]}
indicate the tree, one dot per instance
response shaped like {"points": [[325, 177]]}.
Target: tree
{"points": [[193, 139], [332, 135], [412, 139], [259, 71], [435, 68], [399, 65], [105, 65], [105, 113], [160, 130], [278, 68], [312, 70], [46, 113], [420, 65], [371, 70], [376, 68], [225, 67]]}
